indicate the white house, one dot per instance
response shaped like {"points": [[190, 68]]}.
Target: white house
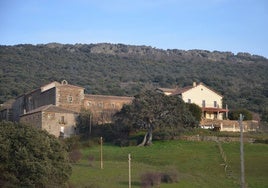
{"points": [[209, 100]]}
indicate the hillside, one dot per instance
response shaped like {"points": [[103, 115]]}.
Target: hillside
{"points": [[195, 164], [119, 69]]}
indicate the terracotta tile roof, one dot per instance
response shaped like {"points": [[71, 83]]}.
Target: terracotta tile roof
{"points": [[170, 90], [87, 96], [179, 91], [211, 109], [175, 91], [49, 108]]}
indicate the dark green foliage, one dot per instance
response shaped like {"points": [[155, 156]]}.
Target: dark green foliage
{"points": [[73, 145], [264, 115], [106, 131], [235, 114], [152, 111], [88, 129], [84, 122], [125, 70], [31, 158], [195, 110]]}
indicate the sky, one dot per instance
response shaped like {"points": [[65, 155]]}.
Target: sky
{"points": [[221, 25]]}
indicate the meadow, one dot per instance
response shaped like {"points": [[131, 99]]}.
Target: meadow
{"points": [[197, 164]]}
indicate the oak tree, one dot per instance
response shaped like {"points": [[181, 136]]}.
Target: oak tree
{"points": [[151, 110]]}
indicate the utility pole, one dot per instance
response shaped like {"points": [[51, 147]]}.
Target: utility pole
{"points": [[90, 124], [101, 159], [243, 183], [129, 171]]}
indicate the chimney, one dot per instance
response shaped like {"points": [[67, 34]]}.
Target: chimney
{"points": [[194, 84]]}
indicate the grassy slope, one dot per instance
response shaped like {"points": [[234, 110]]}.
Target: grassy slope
{"points": [[198, 165], [256, 166]]}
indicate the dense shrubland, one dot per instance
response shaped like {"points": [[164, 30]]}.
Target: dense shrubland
{"points": [[124, 70]]}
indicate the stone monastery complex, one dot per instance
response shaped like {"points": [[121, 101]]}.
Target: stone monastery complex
{"points": [[56, 106]]}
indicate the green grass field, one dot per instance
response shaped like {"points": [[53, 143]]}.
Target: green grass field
{"points": [[199, 164]]}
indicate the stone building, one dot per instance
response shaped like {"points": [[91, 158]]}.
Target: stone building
{"points": [[55, 107], [58, 121], [103, 107], [6, 113]]}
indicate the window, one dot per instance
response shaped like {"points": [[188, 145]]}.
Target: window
{"points": [[62, 120], [70, 99], [203, 103], [215, 104], [189, 100], [100, 104]]}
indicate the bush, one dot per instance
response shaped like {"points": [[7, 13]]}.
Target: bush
{"points": [[121, 142], [72, 143], [262, 141], [91, 159], [170, 177], [235, 114], [150, 179], [30, 157], [75, 155], [153, 179], [91, 142]]}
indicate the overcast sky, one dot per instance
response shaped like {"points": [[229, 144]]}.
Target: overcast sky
{"points": [[222, 25]]}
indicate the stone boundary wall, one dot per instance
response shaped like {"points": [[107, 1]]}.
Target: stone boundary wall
{"points": [[230, 125], [215, 138]]}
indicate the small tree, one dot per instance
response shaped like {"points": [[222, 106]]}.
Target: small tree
{"points": [[84, 122], [234, 114]]}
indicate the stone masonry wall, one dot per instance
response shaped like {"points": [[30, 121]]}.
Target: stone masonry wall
{"points": [[104, 107], [69, 97]]}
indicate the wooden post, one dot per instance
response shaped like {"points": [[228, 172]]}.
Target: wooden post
{"points": [[243, 184], [226, 112], [129, 170], [101, 159]]}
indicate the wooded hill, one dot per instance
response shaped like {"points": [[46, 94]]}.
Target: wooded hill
{"points": [[118, 69]]}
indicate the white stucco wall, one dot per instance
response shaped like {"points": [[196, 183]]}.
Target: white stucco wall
{"points": [[201, 93]]}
